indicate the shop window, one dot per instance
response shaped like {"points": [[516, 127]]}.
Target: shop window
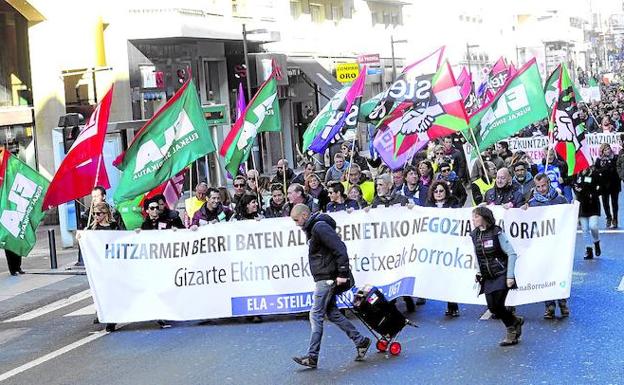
{"points": [[212, 82]]}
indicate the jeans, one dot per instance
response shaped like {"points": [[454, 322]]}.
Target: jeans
{"points": [[325, 304], [590, 225], [611, 210], [496, 304]]}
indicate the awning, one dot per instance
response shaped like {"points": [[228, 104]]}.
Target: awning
{"points": [[327, 84]]}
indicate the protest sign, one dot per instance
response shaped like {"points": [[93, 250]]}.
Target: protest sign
{"points": [[251, 268]]}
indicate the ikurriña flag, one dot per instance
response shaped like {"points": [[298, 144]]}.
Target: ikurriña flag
{"points": [[566, 127], [83, 166], [176, 136], [436, 110], [21, 199]]}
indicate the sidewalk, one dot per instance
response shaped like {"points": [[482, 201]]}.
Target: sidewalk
{"points": [[41, 284]]}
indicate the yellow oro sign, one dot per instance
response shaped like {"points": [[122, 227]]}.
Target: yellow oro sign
{"points": [[347, 72]]}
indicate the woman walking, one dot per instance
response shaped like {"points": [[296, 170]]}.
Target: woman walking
{"points": [[496, 261], [587, 192], [606, 166]]}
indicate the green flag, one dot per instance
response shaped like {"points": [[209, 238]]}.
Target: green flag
{"points": [[551, 89], [21, 195], [176, 136], [261, 115], [130, 212], [520, 103]]}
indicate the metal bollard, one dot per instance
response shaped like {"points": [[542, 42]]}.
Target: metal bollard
{"points": [[52, 245]]}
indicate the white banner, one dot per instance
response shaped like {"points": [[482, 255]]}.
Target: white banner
{"points": [[250, 267], [534, 146], [590, 94]]}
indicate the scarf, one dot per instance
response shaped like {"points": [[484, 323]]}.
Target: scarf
{"points": [[550, 195]]}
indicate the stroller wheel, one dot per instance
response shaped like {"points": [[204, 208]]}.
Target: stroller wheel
{"points": [[395, 348], [382, 345]]}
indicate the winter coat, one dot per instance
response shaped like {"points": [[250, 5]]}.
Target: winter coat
{"points": [[587, 190], [608, 179], [220, 214], [551, 198], [327, 254], [526, 186], [394, 199], [275, 211], [508, 194]]}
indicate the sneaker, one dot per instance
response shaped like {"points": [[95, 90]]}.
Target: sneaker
{"points": [[550, 312], [362, 349], [589, 253], [310, 362]]}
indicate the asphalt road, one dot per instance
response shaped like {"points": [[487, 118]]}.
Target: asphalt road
{"points": [[63, 346]]}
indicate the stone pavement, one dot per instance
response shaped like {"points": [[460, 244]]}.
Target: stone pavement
{"points": [[41, 284]]}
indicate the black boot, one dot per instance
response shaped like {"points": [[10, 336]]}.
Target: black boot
{"points": [[597, 250], [589, 253]]}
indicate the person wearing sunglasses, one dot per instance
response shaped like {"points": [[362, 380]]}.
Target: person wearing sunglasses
{"points": [[240, 188], [98, 195], [439, 195], [166, 212], [103, 218], [153, 219], [455, 185], [280, 169]]}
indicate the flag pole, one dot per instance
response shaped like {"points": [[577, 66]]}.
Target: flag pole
{"points": [[474, 138], [281, 135], [95, 184]]}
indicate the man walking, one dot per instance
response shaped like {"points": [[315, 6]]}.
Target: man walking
{"points": [[329, 265]]}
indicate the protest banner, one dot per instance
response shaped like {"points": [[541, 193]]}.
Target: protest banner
{"points": [[250, 268], [534, 146]]}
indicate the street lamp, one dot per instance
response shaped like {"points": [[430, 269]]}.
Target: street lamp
{"points": [[392, 42], [468, 46]]}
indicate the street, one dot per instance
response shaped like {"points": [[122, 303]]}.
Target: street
{"points": [[61, 345]]}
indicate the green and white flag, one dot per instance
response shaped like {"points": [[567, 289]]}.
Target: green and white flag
{"points": [[519, 103], [21, 196], [261, 115], [176, 136]]}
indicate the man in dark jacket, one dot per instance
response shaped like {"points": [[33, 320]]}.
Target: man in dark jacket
{"points": [[282, 167], [212, 210], [504, 192], [546, 195], [523, 177], [329, 265], [154, 219]]}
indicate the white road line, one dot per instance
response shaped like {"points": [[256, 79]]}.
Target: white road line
{"points": [[87, 310], [621, 287], [487, 315], [605, 231], [52, 355], [51, 307]]}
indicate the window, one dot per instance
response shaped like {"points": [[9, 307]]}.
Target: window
{"points": [[211, 76], [317, 12], [295, 9]]}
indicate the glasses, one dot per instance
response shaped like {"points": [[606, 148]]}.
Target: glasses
{"points": [[280, 168], [152, 208], [439, 153], [239, 185], [439, 191], [446, 170], [99, 213]]}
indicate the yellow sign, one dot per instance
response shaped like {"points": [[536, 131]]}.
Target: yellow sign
{"points": [[347, 72]]}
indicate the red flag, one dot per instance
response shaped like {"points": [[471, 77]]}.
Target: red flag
{"points": [[83, 167], [172, 189]]}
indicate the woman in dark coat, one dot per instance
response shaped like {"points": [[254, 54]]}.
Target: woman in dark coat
{"points": [[606, 166], [496, 261], [587, 190], [439, 195]]}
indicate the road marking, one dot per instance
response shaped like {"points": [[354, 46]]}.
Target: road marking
{"points": [[87, 310], [621, 287], [52, 355], [51, 307], [606, 231], [487, 315]]}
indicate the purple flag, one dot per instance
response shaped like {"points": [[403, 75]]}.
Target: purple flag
{"points": [[240, 101]]}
